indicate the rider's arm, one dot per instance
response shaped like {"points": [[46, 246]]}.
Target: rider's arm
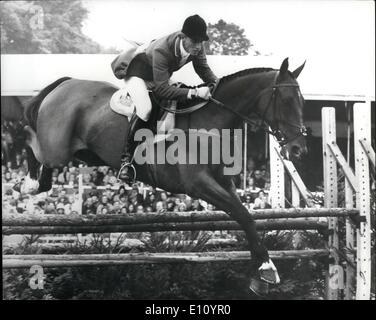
{"points": [[161, 78], [202, 68]]}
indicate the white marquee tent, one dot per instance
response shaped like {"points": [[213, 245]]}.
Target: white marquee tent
{"points": [[25, 75]]}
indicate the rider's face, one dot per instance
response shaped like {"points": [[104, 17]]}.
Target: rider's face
{"points": [[191, 46]]}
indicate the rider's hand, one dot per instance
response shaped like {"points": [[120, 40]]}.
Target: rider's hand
{"points": [[203, 93]]}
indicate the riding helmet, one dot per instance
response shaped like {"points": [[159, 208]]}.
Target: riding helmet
{"points": [[194, 27]]}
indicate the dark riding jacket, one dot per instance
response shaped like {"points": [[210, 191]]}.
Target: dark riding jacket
{"points": [[159, 61]]}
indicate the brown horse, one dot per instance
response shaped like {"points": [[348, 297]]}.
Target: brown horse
{"points": [[71, 118]]}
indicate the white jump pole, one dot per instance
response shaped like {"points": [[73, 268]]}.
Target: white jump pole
{"points": [[245, 156], [277, 175], [328, 117], [350, 229], [362, 132]]}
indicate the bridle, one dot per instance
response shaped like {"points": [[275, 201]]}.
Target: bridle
{"points": [[275, 130]]}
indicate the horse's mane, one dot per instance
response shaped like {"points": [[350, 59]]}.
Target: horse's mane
{"points": [[31, 110], [245, 72]]}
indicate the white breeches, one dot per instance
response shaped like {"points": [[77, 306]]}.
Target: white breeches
{"points": [[140, 96]]}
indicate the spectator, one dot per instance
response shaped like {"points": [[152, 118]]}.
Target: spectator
{"points": [[135, 195], [121, 191], [149, 209], [95, 203], [97, 177], [196, 206], [210, 207], [140, 209], [88, 205], [251, 186], [18, 161], [115, 198], [71, 168], [7, 177], [104, 204], [261, 202], [54, 181], [159, 207], [50, 208], [87, 180], [248, 202], [163, 197], [182, 207], [131, 208], [124, 210], [123, 201], [116, 208], [62, 178], [170, 206], [60, 208], [104, 210], [72, 179], [258, 180], [150, 199], [108, 192], [40, 207]]}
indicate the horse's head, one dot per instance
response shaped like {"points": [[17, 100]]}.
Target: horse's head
{"points": [[281, 106], [26, 185]]}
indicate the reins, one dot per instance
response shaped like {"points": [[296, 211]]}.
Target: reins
{"points": [[275, 131]]}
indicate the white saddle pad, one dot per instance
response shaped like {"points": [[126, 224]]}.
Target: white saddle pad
{"points": [[134, 96], [121, 102]]}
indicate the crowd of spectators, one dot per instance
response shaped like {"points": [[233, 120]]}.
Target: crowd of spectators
{"points": [[103, 194]]}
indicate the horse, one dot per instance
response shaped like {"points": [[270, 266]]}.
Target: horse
{"points": [[71, 118]]}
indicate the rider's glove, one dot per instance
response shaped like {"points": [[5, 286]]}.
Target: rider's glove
{"points": [[203, 93]]}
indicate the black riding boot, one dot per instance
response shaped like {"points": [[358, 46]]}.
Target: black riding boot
{"points": [[125, 173]]}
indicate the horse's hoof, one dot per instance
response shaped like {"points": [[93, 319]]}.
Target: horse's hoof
{"points": [[268, 273], [258, 287]]}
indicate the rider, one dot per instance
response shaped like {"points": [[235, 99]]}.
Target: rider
{"points": [[155, 66]]}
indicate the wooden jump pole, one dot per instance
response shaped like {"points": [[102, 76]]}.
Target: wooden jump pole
{"points": [[174, 217], [280, 224], [79, 260]]}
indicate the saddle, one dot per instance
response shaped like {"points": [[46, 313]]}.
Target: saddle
{"points": [[121, 102]]}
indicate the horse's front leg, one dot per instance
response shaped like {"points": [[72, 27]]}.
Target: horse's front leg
{"points": [[223, 197]]}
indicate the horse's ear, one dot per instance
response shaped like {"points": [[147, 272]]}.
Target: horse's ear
{"points": [[297, 72], [284, 66]]}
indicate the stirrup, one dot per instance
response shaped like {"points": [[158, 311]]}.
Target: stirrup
{"points": [[123, 166]]}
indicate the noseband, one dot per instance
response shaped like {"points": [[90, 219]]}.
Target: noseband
{"points": [[275, 130]]}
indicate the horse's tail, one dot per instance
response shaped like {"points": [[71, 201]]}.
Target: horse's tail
{"points": [[31, 110]]}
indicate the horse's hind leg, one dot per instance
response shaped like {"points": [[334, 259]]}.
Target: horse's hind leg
{"points": [[45, 180], [33, 164]]}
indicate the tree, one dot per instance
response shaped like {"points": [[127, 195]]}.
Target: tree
{"points": [[227, 39], [44, 27]]}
